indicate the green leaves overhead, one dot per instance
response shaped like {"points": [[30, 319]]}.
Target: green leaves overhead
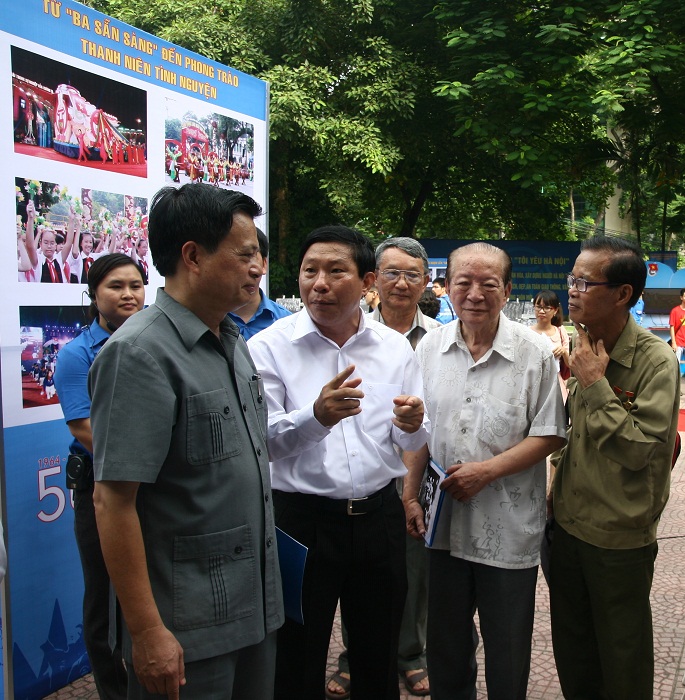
{"points": [[461, 119]]}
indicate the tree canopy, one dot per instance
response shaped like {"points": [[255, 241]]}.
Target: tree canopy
{"points": [[465, 119], [560, 91]]}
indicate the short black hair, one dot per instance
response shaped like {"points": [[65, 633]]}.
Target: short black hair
{"points": [[362, 251], [626, 263], [263, 244], [429, 303], [550, 298], [440, 281], [99, 270], [193, 212]]}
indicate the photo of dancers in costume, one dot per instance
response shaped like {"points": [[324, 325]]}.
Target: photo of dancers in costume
{"points": [[70, 115], [212, 148]]}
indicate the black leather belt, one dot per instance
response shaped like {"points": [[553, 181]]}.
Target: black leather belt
{"points": [[345, 506]]}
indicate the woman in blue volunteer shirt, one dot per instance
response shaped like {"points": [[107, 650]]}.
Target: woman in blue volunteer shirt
{"points": [[116, 291]]}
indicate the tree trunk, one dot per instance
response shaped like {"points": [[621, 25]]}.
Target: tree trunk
{"points": [[410, 215], [663, 223], [637, 221], [280, 186], [637, 218], [282, 205]]}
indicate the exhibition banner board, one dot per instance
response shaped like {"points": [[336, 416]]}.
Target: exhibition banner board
{"points": [[96, 117], [536, 265]]}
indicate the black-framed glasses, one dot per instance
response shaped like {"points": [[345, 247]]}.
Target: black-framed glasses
{"points": [[411, 276], [582, 284], [544, 308]]}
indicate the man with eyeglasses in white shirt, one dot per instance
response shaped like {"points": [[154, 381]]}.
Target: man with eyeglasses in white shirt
{"points": [[343, 391], [612, 480]]}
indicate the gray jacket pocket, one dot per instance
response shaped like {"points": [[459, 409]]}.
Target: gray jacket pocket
{"points": [[212, 429], [214, 578]]}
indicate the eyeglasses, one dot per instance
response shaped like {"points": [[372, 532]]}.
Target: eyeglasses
{"points": [[544, 308], [582, 284], [411, 276]]}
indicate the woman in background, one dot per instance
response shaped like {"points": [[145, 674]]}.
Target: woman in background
{"points": [[116, 291], [549, 323]]}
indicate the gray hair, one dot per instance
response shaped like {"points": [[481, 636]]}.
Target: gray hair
{"points": [[407, 245], [485, 249]]}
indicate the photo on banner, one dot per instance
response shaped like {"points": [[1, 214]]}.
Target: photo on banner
{"points": [[207, 146], [44, 331], [70, 231], [74, 116]]}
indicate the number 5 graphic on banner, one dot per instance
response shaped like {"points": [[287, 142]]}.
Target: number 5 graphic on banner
{"points": [[44, 491]]}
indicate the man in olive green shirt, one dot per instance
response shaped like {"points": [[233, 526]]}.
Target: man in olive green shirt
{"points": [[612, 481]]}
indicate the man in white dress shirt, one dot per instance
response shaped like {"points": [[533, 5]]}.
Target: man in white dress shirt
{"points": [[342, 391], [496, 412]]}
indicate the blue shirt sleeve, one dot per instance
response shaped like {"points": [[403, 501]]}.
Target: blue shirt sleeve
{"points": [[446, 313], [267, 312], [71, 377]]}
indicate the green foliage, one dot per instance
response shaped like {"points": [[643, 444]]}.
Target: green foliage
{"points": [[538, 87], [461, 119], [172, 129]]}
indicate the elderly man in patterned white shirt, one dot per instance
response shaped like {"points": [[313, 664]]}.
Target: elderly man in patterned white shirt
{"points": [[494, 403]]}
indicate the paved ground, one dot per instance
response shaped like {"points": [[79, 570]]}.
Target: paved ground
{"points": [[668, 607]]}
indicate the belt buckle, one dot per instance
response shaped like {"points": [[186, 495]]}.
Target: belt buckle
{"points": [[351, 502]]}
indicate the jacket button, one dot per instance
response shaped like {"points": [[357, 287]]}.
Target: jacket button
{"points": [[259, 451], [244, 407], [269, 542], [238, 550], [227, 409]]}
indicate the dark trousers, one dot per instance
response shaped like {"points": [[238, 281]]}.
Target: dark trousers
{"points": [[505, 599], [108, 668], [411, 652], [602, 619], [359, 560], [244, 674]]}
